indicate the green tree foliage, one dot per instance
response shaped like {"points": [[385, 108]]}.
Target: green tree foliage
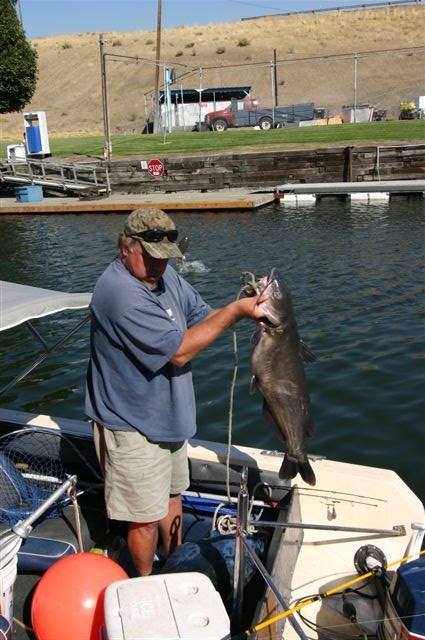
{"points": [[18, 61]]}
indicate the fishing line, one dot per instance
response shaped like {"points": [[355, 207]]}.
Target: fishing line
{"points": [[318, 597]]}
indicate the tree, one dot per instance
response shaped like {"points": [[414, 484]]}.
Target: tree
{"points": [[18, 61]]}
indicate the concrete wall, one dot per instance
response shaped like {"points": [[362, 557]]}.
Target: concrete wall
{"points": [[268, 169]]}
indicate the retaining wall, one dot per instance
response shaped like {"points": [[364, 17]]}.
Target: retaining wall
{"points": [[268, 169]]}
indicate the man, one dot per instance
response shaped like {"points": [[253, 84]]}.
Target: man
{"points": [[147, 325]]}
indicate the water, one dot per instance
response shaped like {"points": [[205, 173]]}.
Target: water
{"points": [[356, 273]]}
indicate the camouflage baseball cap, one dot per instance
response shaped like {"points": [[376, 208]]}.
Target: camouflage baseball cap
{"points": [[155, 231]]}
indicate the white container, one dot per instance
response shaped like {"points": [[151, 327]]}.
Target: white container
{"points": [[16, 153], [298, 198], [361, 113], [7, 581], [420, 102], [175, 606], [372, 196]]}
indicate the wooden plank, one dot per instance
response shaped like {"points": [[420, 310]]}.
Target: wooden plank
{"points": [[121, 203]]}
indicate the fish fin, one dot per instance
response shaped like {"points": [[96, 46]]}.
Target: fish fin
{"points": [[291, 466], [306, 472], [305, 353], [253, 385]]}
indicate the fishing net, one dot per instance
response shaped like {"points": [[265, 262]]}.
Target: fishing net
{"points": [[31, 469]]}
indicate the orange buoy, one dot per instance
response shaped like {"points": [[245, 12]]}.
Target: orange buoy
{"points": [[68, 600]]}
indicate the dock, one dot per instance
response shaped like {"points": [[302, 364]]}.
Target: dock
{"points": [[365, 191], [224, 200], [121, 203], [348, 188]]}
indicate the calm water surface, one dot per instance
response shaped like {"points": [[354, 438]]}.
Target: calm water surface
{"points": [[356, 273]]}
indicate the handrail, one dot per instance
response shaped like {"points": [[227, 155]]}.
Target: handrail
{"points": [[54, 174]]}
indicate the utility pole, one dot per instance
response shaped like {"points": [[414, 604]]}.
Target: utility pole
{"points": [[157, 106], [276, 99], [355, 87], [107, 147]]}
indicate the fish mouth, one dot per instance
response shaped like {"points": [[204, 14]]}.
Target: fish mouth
{"points": [[267, 322], [271, 280], [271, 318]]}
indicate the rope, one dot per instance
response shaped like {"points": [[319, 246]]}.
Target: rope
{"points": [[73, 497], [248, 288], [230, 423]]}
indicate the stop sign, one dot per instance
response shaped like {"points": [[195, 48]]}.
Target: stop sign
{"points": [[155, 167]]}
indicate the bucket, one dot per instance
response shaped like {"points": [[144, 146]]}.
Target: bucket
{"points": [[7, 580]]}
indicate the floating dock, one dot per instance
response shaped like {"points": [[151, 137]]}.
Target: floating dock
{"points": [[367, 191], [121, 203], [394, 187], [234, 199]]}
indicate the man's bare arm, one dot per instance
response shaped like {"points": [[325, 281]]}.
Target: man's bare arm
{"points": [[204, 333]]}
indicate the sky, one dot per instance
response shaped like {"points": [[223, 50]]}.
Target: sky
{"points": [[60, 17]]}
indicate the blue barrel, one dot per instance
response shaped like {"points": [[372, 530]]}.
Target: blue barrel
{"points": [[33, 139]]}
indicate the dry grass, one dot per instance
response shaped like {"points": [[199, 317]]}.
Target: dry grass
{"points": [[69, 86]]}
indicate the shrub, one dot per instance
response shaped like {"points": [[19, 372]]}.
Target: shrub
{"points": [[244, 42], [220, 50], [189, 45], [179, 53], [67, 45]]}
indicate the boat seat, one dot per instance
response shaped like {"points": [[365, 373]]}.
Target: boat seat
{"points": [[54, 538]]}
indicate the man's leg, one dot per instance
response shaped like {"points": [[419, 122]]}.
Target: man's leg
{"points": [[142, 537], [170, 527], [142, 540]]}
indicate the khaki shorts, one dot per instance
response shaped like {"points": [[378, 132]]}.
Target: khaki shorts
{"points": [[140, 475]]}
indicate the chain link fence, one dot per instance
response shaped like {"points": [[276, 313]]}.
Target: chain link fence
{"points": [[330, 82]]}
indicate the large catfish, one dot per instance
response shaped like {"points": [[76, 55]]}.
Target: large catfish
{"points": [[278, 371]]}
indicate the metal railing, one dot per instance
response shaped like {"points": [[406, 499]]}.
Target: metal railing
{"points": [[59, 176]]}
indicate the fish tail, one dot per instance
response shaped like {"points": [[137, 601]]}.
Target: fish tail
{"points": [[291, 466]]}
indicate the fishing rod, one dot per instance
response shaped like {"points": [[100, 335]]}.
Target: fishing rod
{"points": [[320, 596]]}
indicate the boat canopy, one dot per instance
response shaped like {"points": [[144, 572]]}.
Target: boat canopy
{"points": [[20, 303]]}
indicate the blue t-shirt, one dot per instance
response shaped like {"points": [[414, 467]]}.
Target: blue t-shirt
{"points": [[131, 383]]}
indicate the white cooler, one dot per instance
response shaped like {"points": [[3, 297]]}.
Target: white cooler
{"points": [[172, 605]]}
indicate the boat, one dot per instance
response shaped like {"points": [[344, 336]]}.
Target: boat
{"points": [[268, 558]]}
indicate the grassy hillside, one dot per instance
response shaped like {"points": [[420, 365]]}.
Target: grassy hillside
{"points": [[309, 48]]}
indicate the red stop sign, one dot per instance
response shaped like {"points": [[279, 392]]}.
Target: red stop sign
{"points": [[155, 167]]}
